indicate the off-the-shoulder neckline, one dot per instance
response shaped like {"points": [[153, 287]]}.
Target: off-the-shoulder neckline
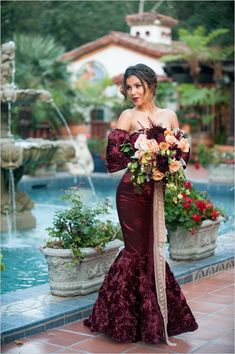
{"points": [[124, 130]]}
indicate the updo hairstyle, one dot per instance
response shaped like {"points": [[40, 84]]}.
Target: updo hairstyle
{"points": [[144, 74]]}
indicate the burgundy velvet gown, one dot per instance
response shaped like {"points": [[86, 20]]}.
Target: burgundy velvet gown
{"points": [[127, 308]]}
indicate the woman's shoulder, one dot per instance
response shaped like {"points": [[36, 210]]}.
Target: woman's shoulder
{"points": [[170, 116], [168, 112], [125, 120], [127, 114]]}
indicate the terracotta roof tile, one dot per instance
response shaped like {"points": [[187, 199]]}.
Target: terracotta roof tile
{"points": [[125, 40], [147, 18]]}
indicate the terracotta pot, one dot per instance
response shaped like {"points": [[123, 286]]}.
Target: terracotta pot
{"points": [[75, 129]]}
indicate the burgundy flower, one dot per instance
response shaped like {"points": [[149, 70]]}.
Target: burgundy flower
{"points": [[156, 132], [179, 134], [162, 163], [178, 152]]}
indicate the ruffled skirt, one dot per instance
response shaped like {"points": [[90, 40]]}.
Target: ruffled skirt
{"points": [[127, 309]]}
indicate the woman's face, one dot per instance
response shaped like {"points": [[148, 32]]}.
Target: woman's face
{"points": [[136, 92]]}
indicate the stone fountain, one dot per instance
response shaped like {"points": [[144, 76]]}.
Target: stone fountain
{"points": [[16, 154]]}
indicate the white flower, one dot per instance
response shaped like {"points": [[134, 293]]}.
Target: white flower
{"points": [[141, 143]]}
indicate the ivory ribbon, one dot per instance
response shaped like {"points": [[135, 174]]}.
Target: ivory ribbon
{"points": [[159, 233]]}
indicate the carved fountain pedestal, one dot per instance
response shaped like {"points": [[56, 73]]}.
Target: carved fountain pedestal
{"points": [[15, 156]]}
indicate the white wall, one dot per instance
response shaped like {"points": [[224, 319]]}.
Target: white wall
{"points": [[156, 33], [116, 59]]}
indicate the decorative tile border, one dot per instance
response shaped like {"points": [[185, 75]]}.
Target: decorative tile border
{"points": [[210, 270]]}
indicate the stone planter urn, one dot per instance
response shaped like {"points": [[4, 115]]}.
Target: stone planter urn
{"points": [[222, 173], [69, 279], [185, 246]]}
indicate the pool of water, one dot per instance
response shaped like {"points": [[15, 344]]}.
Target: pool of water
{"points": [[26, 266]]}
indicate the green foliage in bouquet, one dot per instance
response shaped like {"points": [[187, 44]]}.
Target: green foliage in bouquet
{"points": [[80, 226], [186, 207]]}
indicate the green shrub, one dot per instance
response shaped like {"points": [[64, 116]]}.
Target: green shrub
{"points": [[80, 226]]}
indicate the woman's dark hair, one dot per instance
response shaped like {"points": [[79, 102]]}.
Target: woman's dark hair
{"points": [[144, 74]]}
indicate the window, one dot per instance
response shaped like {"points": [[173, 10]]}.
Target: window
{"points": [[97, 114], [147, 33], [137, 33]]}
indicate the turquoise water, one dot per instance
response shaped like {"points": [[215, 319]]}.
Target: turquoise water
{"points": [[26, 266]]}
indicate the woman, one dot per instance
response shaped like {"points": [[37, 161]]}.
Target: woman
{"points": [[139, 300]]}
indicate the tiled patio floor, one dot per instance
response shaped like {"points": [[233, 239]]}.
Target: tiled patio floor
{"points": [[212, 302]]}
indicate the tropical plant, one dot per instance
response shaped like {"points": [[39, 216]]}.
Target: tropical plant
{"points": [[166, 93], [200, 100], [81, 226], [37, 67], [198, 49], [92, 93], [186, 207]]}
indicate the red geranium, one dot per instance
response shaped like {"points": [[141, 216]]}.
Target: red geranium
{"points": [[201, 205], [187, 207], [188, 185], [196, 217]]}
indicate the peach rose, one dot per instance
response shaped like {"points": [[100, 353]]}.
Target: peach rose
{"points": [[171, 139], [183, 144], [168, 132], [164, 146], [157, 175], [174, 166], [152, 145]]}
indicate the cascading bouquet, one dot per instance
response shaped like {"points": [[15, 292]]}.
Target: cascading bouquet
{"points": [[156, 154]]}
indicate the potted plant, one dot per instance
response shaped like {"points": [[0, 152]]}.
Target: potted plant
{"points": [[192, 222], [76, 124], [81, 247], [219, 162], [97, 148]]}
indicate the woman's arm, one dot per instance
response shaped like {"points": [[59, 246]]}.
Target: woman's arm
{"points": [[174, 120], [115, 159]]}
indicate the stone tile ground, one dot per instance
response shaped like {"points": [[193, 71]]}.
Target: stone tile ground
{"points": [[212, 302]]}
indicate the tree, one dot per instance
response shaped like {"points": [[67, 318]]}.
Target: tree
{"points": [[73, 23], [197, 49]]}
